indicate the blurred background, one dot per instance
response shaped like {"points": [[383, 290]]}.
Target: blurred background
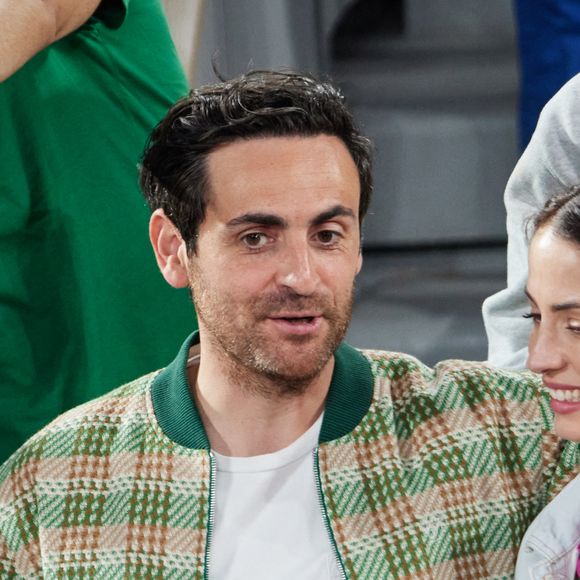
{"points": [[435, 84]]}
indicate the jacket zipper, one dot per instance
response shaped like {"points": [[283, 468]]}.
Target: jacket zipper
{"points": [[211, 514], [324, 513]]}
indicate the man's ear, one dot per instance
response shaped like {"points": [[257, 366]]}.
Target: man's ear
{"points": [[170, 249], [359, 262]]}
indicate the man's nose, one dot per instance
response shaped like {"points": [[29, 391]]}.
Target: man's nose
{"points": [[544, 352], [297, 269]]}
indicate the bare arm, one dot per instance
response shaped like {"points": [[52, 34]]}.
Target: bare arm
{"points": [[28, 26]]}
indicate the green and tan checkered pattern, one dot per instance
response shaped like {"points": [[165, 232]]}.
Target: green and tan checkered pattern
{"points": [[102, 493], [444, 474], [438, 480]]}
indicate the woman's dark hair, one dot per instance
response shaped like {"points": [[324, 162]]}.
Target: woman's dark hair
{"points": [[255, 105], [562, 213]]}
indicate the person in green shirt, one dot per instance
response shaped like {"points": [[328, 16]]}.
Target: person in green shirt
{"points": [[82, 308]]}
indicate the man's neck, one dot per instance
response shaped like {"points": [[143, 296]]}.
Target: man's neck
{"points": [[242, 421]]}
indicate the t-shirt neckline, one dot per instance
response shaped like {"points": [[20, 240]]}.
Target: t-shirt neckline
{"points": [[272, 461]]}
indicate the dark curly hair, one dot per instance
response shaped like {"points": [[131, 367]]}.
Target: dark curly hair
{"points": [[257, 104]]}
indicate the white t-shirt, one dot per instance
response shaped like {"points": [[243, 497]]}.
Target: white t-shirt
{"points": [[268, 519]]}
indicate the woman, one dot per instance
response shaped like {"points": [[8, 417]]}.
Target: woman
{"points": [[550, 547]]}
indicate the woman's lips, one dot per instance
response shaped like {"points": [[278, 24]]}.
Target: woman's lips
{"points": [[565, 398], [564, 407], [560, 386]]}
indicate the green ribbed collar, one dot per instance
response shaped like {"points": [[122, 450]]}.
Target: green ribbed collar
{"points": [[348, 399]]}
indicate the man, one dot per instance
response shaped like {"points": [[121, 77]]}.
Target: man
{"points": [[268, 448], [548, 165], [82, 84]]}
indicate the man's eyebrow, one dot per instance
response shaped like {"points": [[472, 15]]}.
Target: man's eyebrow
{"points": [[336, 211], [266, 219], [558, 307], [260, 219]]}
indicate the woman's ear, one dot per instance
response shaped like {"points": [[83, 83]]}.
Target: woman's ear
{"points": [[170, 249]]}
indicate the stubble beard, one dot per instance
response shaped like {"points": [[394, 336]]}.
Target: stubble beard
{"points": [[251, 359]]}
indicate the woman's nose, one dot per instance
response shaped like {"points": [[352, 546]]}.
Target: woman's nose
{"points": [[544, 352]]}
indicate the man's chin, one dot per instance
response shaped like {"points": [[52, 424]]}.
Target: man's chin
{"points": [[294, 369], [289, 384]]}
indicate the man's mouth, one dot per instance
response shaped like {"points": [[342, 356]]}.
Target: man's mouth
{"points": [[297, 319], [297, 322]]}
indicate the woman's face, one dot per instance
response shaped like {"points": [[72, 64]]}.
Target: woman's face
{"points": [[554, 347]]}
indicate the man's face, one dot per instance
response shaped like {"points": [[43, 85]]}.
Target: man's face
{"points": [[277, 254]]}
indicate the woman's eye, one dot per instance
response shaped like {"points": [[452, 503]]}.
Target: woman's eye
{"points": [[535, 316], [255, 240], [574, 326]]}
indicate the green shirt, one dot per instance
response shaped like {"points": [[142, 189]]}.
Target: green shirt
{"points": [[82, 304], [421, 473]]}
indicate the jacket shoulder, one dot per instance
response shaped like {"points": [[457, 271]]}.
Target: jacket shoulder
{"points": [[93, 425], [401, 376]]}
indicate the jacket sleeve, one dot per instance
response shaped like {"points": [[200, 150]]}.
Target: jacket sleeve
{"points": [[19, 538], [548, 165], [561, 467]]}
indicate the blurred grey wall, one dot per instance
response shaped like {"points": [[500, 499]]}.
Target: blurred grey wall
{"points": [[433, 82]]}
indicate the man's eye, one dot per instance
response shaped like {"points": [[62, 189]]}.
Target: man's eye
{"points": [[255, 240], [328, 237]]}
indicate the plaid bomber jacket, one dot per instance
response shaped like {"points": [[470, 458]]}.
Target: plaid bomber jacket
{"points": [[421, 473]]}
